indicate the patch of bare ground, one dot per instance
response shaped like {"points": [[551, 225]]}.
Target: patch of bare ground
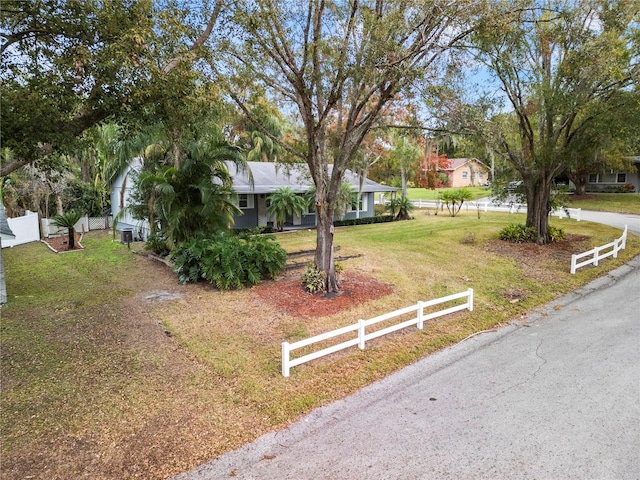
{"points": [[60, 244], [537, 260], [287, 294]]}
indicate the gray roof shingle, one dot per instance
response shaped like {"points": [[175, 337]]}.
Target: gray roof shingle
{"points": [[5, 229], [268, 177]]}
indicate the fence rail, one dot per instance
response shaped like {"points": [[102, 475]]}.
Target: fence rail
{"points": [[596, 255], [360, 327], [510, 207]]}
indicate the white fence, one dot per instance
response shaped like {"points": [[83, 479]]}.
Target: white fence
{"points": [[85, 224], [512, 207], [596, 255], [360, 328], [25, 229]]}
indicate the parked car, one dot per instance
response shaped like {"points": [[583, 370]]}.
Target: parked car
{"points": [[486, 184], [513, 186]]}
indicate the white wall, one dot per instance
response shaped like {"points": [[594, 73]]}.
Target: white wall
{"points": [[25, 228]]}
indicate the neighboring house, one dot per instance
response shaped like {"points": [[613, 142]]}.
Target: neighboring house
{"points": [[466, 172], [120, 193], [613, 181], [252, 196], [269, 177]]}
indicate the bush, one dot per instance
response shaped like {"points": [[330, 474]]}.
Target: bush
{"points": [[313, 279], [229, 261], [518, 233], [363, 221], [158, 244], [556, 234]]}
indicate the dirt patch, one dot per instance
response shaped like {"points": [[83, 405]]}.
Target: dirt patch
{"points": [[287, 294], [537, 259], [61, 244]]}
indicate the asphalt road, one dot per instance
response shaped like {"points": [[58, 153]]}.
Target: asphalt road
{"points": [[554, 395]]}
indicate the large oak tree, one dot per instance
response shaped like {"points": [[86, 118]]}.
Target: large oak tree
{"points": [[340, 62], [562, 66], [67, 65]]}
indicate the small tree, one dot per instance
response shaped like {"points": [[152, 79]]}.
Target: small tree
{"points": [[283, 202], [402, 205], [68, 220], [453, 199]]}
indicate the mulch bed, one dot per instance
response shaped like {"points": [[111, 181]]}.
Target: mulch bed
{"points": [[61, 244]]}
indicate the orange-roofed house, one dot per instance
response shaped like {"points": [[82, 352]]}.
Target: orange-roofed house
{"points": [[466, 172]]}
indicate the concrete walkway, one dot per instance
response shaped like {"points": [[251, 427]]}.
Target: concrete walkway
{"points": [[555, 395]]}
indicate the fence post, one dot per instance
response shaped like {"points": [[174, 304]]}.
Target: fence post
{"points": [[616, 247], [596, 256], [573, 264], [420, 315], [285, 359], [624, 239], [470, 299], [361, 334]]}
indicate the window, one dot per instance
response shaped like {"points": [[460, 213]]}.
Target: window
{"points": [[245, 201], [465, 174], [608, 178], [362, 206]]}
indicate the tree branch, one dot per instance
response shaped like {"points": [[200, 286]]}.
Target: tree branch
{"points": [[191, 54]]}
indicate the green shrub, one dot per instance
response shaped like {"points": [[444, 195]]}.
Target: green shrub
{"points": [[363, 221], [518, 233], [158, 244], [229, 261], [313, 279], [402, 205], [556, 234]]}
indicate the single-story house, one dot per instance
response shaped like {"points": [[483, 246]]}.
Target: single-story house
{"points": [[616, 181], [267, 177], [466, 172]]}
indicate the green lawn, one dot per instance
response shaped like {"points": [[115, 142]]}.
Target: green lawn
{"points": [[101, 383], [601, 202], [608, 202], [415, 194]]}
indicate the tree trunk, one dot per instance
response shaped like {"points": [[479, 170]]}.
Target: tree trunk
{"points": [[324, 249], [403, 178], [580, 181], [72, 238], [538, 209]]}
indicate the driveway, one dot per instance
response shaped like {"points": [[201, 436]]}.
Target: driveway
{"points": [[554, 395]]}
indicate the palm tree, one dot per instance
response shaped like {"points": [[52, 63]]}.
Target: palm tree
{"points": [[284, 202], [402, 205], [68, 220], [197, 196]]}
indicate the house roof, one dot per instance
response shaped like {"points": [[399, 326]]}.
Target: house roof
{"points": [[456, 163], [269, 177], [5, 230]]}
